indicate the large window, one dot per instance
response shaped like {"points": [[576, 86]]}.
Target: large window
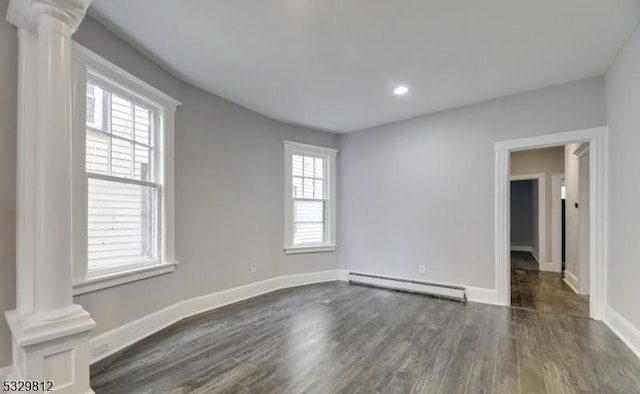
{"points": [[121, 159], [123, 176], [309, 198]]}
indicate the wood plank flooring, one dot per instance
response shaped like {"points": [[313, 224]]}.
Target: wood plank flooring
{"points": [[341, 338], [543, 291], [524, 260]]}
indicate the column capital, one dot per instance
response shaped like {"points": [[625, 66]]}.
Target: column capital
{"points": [[24, 13]]}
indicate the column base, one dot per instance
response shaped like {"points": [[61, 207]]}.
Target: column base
{"points": [[57, 349]]}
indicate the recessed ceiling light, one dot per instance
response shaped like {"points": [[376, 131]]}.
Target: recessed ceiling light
{"points": [[400, 90]]}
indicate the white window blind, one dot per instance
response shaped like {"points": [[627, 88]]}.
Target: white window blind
{"points": [[122, 189], [309, 200]]}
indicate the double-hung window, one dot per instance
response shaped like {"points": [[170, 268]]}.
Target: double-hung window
{"points": [[123, 187], [123, 155], [310, 206]]}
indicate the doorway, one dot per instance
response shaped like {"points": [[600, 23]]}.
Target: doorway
{"points": [[525, 239], [593, 255], [528, 215], [537, 280]]}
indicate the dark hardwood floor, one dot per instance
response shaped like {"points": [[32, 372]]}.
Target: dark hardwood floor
{"points": [[524, 260], [543, 291], [341, 338]]}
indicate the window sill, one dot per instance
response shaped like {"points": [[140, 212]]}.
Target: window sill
{"points": [[309, 249], [119, 278]]}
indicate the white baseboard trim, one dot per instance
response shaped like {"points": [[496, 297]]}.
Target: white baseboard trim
{"points": [[118, 339], [530, 249], [115, 340], [626, 331], [5, 372], [548, 266], [571, 280], [534, 253], [343, 275], [483, 296]]}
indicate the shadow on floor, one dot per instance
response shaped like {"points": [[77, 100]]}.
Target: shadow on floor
{"points": [[543, 291], [524, 260]]}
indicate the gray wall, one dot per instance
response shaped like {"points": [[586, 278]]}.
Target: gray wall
{"points": [[8, 115], [229, 195], [524, 214], [623, 110], [229, 192], [536, 161], [102, 41], [421, 191]]}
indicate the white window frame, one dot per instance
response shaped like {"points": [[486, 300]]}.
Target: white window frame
{"points": [[292, 148], [85, 64], [98, 110]]}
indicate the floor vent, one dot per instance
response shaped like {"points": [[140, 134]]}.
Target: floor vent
{"points": [[413, 286]]}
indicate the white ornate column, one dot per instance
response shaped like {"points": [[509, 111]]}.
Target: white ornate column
{"points": [[50, 333]]}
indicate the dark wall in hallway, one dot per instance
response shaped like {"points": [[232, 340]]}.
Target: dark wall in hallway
{"points": [[524, 213]]}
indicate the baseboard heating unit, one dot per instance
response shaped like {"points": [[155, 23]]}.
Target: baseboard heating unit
{"points": [[413, 286]]}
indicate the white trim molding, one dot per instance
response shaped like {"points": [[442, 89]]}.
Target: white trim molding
{"points": [[502, 206], [90, 66], [535, 255], [483, 296], [547, 266], [96, 283], [136, 86], [521, 248], [530, 249], [23, 14], [571, 280], [597, 137], [115, 340], [582, 154], [310, 249], [582, 149], [627, 332]]}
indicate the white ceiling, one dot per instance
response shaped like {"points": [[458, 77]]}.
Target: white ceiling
{"points": [[332, 64]]}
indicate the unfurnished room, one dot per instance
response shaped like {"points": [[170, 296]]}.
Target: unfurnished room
{"points": [[297, 196]]}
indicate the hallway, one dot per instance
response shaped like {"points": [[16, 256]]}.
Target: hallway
{"points": [[543, 291]]}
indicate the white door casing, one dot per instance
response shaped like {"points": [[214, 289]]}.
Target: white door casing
{"points": [[597, 138]]}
